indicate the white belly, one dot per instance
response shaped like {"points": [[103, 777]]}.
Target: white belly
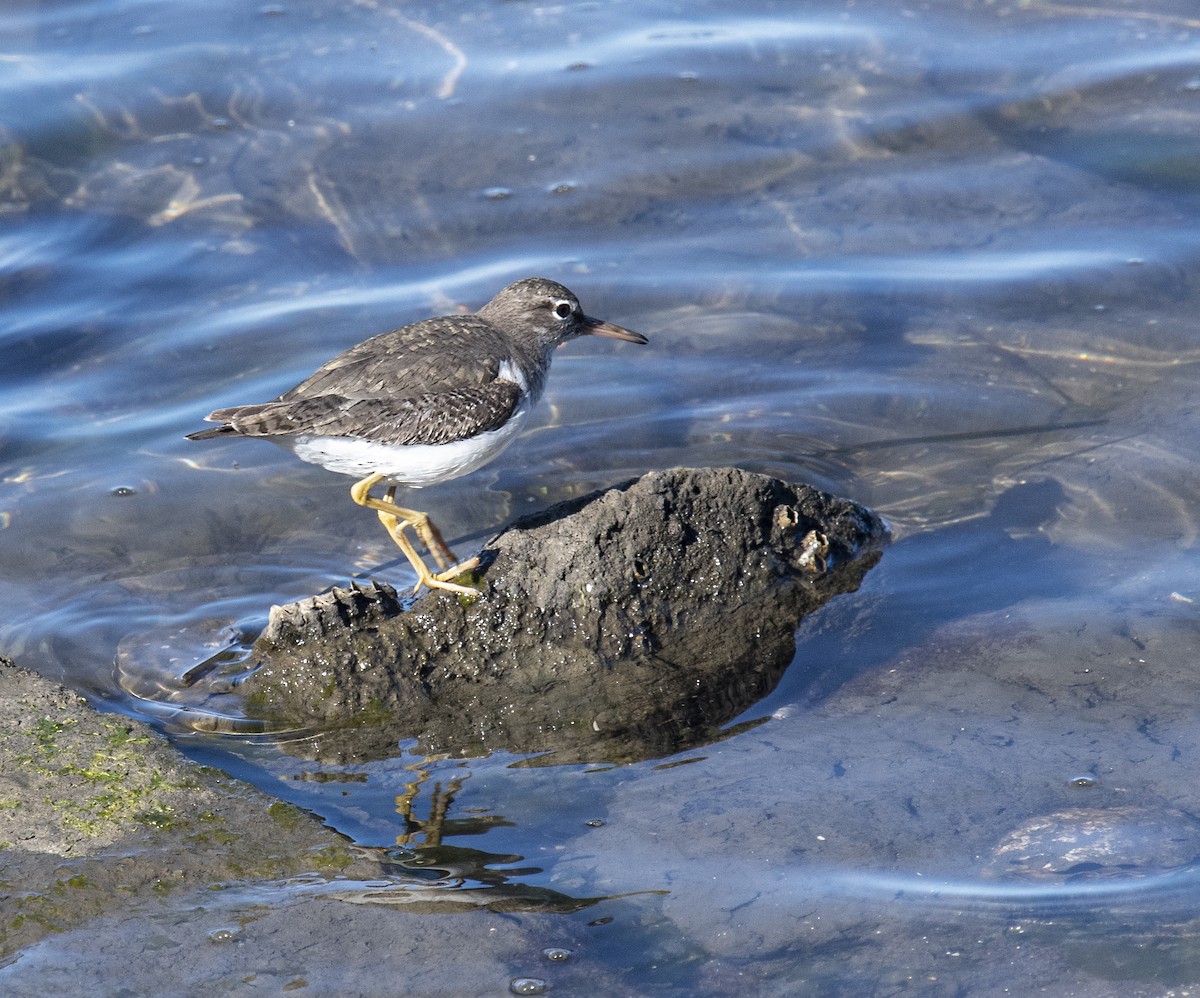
{"points": [[413, 465]]}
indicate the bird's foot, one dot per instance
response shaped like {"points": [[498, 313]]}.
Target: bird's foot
{"points": [[442, 579]]}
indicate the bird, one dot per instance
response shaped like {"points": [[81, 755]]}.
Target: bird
{"points": [[424, 404]]}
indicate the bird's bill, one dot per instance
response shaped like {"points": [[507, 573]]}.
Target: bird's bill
{"points": [[598, 327]]}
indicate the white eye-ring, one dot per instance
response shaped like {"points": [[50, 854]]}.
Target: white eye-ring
{"points": [[564, 309]]}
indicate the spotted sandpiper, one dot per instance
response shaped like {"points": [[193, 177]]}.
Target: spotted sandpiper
{"points": [[423, 404]]}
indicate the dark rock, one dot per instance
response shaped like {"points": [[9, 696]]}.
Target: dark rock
{"points": [[625, 625]]}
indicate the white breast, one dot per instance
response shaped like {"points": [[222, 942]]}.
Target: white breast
{"points": [[414, 465]]}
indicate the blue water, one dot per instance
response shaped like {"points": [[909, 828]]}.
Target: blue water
{"points": [[940, 259]]}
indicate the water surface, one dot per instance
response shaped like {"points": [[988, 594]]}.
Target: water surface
{"points": [[941, 259]]}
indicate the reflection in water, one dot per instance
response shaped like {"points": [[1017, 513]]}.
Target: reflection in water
{"points": [[430, 831], [438, 898]]}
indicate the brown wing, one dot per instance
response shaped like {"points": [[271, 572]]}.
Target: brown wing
{"points": [[443, 353], [432, 418]]}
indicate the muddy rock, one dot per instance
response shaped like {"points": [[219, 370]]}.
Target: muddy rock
{"points": [[625, 625], [98, 812]]}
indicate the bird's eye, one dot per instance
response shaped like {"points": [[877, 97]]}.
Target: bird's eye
{"points": [[564, 309]]}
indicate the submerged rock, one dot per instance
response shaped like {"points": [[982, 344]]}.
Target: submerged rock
{"points": [[1097, 842], [625, 625]]}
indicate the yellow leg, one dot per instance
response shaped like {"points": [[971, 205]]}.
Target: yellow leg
{"points": [[395, 518], [427, 531]]}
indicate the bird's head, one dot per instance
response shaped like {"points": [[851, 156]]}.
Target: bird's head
{"points": [[550, 313]]}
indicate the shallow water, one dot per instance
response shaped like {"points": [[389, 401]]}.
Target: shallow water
{"points": [[940, 259]]}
